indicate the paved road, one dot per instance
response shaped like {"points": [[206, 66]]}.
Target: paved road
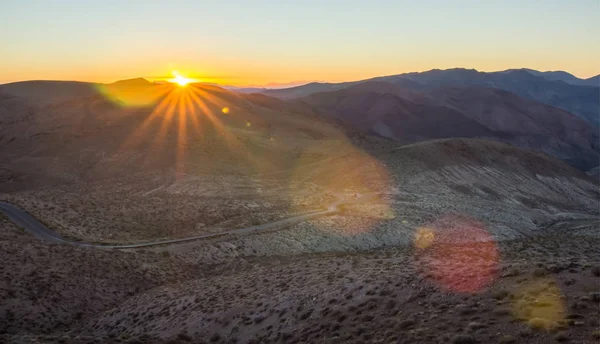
{"points": [[39, 230]]}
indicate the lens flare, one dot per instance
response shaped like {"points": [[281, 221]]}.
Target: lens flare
{"points": [[316, 173], [424, 237], [539, 304], [181, 125], [457, 253], [183, 129]]}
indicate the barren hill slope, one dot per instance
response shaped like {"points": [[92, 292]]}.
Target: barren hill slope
{"points": [[458, 223], [409, 116], [578, 96], [202, 159], [512, 192], [99, 136], [447, 235], [199, 159]]}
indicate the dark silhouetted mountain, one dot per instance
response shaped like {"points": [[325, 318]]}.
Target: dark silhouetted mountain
{"points": [[42, 92], [580, 99], [563, 76], [246, 89], [404, 109], [407, 116], [304, 90], [593, 81]]}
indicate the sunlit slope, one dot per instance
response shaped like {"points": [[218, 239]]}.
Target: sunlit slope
{"points": [[452, 207], [192, 129], [441, 186], [197, 160], [493, 172], [508, 192], [200, 159]]}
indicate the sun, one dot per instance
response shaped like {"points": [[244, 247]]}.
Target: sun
{"points": [[179, 79]]}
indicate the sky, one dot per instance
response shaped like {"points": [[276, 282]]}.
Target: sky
{"points": [[257, 42]]}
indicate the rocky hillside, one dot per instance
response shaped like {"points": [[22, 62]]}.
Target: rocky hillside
{"points": [[409, 116], [578, 96]]}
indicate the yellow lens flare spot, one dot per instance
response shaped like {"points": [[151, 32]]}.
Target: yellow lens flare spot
{"points": [[314, 184], [248, 124], [225, 110], [424, 237], [179, 79], [539, 304]]}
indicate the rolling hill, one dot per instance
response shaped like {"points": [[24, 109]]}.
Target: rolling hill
{"points": [[408, 116], [580, 97], [447, 227], [214, 159], [566, 77]]}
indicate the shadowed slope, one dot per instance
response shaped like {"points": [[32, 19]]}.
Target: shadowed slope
{"points": [[581, 97], [410, 116]]}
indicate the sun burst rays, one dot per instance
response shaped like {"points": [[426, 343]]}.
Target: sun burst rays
{"points": [[183, 119]]}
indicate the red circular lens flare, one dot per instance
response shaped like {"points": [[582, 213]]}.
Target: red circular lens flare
{"points": [[458, 253]]}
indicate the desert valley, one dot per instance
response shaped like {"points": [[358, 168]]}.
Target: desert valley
{"points": [[436, 207]]}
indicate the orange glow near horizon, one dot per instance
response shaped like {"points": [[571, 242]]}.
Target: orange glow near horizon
{"points": [[223, 47], [180, 80], [189, 111], [243, 74]]}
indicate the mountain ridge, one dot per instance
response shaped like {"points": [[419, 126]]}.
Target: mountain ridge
{"points": [[396, 108], [409, 116], [582, 100]]}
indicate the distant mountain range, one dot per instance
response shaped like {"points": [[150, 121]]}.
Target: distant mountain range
{"points": [[407, 116], [518, 107], [560, 89], [560, 75]]}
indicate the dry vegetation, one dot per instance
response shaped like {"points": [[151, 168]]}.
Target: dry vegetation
{"points": [[445, 217], [544, 290], [48, 288], [532, 279], [117, 212]]}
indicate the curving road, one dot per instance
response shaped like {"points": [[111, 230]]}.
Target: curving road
{"points": [[39, 230]]}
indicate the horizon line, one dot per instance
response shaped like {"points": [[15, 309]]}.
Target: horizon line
{"points": [[290, 84]]}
